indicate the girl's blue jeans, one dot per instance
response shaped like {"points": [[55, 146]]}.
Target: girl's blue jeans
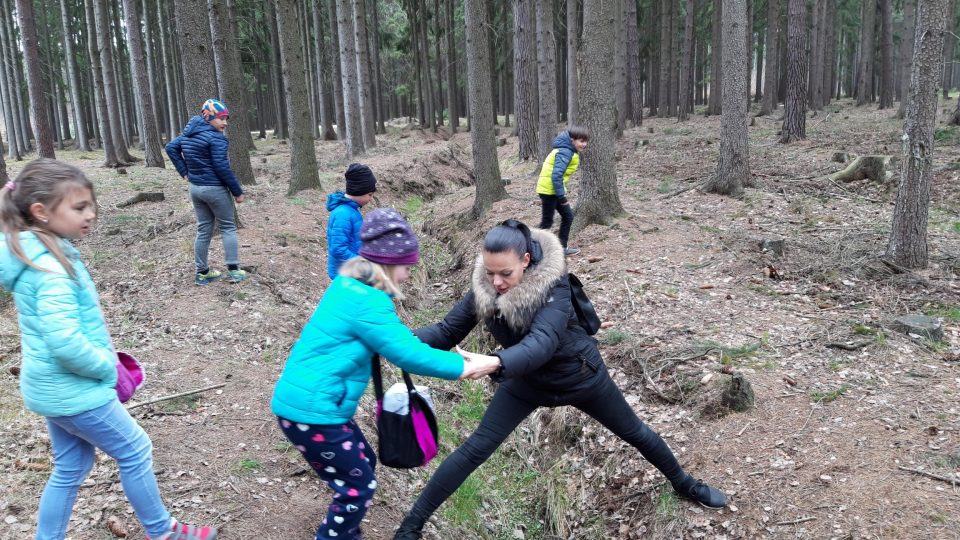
{"points": [[74, 440]]}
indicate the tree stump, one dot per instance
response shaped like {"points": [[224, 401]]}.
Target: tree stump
{"points": [[876, 168], [773, 246], [919, 325], [840, 157], [728, 394]]}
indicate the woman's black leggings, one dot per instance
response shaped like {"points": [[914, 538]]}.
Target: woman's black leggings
{"points": [[605, 404]]}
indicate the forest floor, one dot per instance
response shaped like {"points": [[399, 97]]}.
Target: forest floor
{"points": [[845, 404]]}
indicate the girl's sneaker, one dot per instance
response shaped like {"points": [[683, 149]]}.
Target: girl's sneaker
{"points": [[206, 277], [235, 276], [183, 531]]}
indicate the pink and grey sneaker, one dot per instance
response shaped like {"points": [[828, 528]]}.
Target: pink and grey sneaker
{"points": [[183, 531]]}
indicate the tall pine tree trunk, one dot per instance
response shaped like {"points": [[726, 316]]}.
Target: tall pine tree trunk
{"points": [[663, 102], [768, 104], [149, 134], [15, 149], [41, 120], [368, 123], [110, 158], [733, 168], [906, 52], [193, 29], [815, 58], [486, 166], [323, 83], [231, 85], [908, 234], [830, 51], [598, 201], [376, 71], [451, 68], [634, 81], [73, 79], [886, 54], [114, 106], [546, 77], [348, 70], [683, 111], [795, 108], [169, 84], [949, 44], [20, 105], [716, 54], [303, 157], [573, 50], [865, 71], [525, 77], [333, 56]]}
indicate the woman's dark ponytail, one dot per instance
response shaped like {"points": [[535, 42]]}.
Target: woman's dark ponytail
{"points": [[509, 235]]}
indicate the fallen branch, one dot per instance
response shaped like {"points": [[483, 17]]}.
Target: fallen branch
{"points": [[175, 396], [797, 521], [950, 481], [849, 346], [142, 197]]}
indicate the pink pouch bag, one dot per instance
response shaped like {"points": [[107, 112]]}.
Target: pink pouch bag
{"points": [[130, 376]]}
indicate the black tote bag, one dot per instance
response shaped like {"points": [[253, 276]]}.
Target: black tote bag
{"points": [[407, 439]]}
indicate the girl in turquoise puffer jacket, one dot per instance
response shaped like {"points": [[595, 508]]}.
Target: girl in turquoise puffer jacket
{"points": [[329, 367], [68, 364]]}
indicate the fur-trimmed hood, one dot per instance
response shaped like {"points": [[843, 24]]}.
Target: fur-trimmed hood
{"points": [[519, 305]]}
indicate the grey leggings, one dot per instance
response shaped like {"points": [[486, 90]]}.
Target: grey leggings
{"points": [[214, 203]]}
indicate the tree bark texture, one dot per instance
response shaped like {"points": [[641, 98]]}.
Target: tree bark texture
{"points": [[573, 49], [886, 54], [908, 234], [451, 53], [830, 51], [15, 148], [546, 77], [73, 79], [525, 77], [323, 86], [149, 133], [110, 158], [231, 85], [716, 54], [768, 104], [733, 168], [42, 129], [20, 108], [815, 57], [666, 69], [599, 200], [169, 84], [795, 108], [486, 166], [685, 103], [303, 157], [949, 44], [865, 71], [906, 52], [193, 27], [368, 121], [333, 55], [348, 69]]}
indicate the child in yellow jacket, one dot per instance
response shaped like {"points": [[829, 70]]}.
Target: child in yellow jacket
{"points": [[560, 164]]}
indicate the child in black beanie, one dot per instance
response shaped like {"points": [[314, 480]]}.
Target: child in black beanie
{"points": [[343, 227]]}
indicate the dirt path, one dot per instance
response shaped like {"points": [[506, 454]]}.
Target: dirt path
{"points": [[680, 276]]}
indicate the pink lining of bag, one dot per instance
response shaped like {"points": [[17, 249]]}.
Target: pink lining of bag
{"points": [[130, 376]]}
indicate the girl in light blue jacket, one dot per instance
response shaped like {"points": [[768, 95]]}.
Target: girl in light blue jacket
{"points": [[329, 367], [68, 365]]}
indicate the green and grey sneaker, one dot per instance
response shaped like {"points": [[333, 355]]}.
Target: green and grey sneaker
{"points": [[206, 277], [235, 276]]}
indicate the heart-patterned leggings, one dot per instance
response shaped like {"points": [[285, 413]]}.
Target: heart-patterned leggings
{"points": [[343, 458]]}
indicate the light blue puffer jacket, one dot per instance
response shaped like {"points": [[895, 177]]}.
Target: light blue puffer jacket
{"points": [[68, 363], [343, 231], [329, 367]]}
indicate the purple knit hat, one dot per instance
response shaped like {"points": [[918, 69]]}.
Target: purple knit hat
{"points": [[388, 239]]}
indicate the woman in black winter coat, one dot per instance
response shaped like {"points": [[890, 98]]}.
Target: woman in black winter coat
{"points": [[521, 292]]}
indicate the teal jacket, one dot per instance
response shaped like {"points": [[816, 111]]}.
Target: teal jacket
{"points": [[329, 367], [68, 364]]}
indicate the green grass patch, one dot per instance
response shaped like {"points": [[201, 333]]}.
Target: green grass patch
{"points": [[246, 465], [668, 505], [946, 134], [297, 200], [6, 299], [947, 312], [665, 186], [831, 395], [729, 353], [614, 337], [412, 206], [182, 404], [474, 403]]}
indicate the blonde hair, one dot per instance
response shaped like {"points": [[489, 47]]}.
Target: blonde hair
{"points": [[44, 181], [376, 275]]}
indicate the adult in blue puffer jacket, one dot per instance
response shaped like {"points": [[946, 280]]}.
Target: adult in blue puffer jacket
{"points": [[200, 156], [329, 367], [343, 227]]}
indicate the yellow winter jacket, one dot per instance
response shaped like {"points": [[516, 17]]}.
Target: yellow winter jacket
{"points": [[560, 164]]}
